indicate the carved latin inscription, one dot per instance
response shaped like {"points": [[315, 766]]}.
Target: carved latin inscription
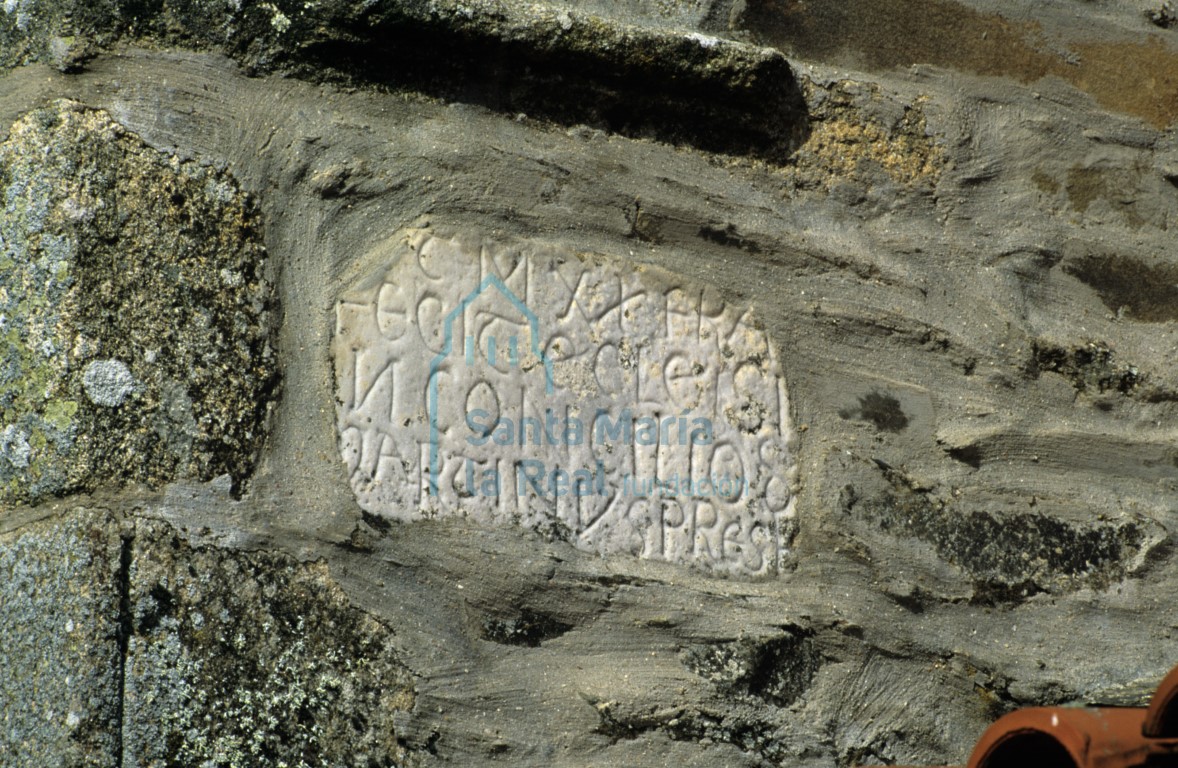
{"points": [[618, 407]]}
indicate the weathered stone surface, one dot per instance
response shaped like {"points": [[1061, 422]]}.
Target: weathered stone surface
{"points": [[239, 659], [604, 64], [135, 308], [60, 683], [1025, 43], [621, 410]]}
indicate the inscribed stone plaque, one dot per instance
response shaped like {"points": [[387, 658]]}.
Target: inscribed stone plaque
{"points": [[618, 407]]}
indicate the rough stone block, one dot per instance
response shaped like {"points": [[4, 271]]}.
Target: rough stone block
{"points": [[135, 312], [641, 67], [238, 659], [60, 630]]}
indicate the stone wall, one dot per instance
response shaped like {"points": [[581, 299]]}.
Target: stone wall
{"points": [[909, 261]]}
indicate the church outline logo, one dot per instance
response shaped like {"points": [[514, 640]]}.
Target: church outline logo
{"points": [[469, 355]]}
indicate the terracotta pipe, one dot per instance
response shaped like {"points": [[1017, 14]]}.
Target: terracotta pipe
{"points": [[1063, 737], [1090, 737], [1161, 719]]}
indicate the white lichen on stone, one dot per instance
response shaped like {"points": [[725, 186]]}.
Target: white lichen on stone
{"points": [[14, 446], [279, 20], [22, 9], [705, 41], [108, 382]]}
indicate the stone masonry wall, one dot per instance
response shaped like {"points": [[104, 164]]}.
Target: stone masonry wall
{"points": [[362, 365]]}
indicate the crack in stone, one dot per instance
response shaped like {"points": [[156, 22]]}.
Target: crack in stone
{"points": [[125, 627]]}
